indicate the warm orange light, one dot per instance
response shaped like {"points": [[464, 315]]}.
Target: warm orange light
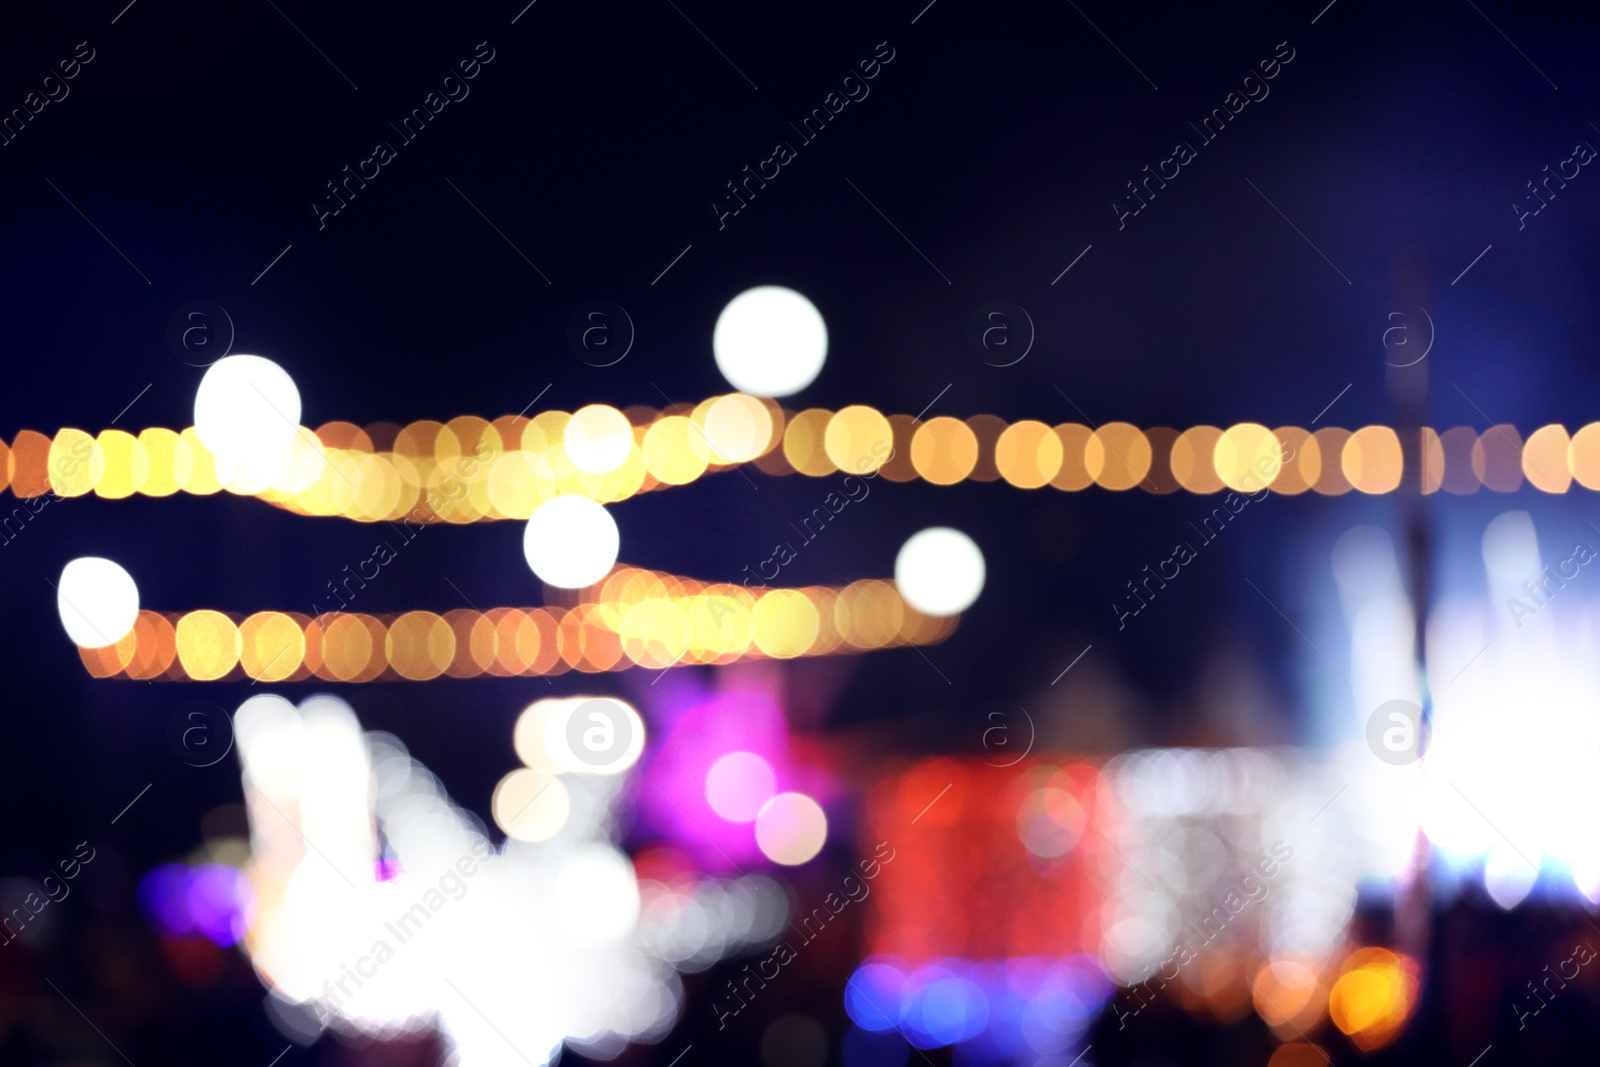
{"points": [[208, 645], [1074, 473], [161, 462], [1299, 1054], [1194, 459], [202, 469], [1373, 997], [272, 646], [899, 467], [675, 451], [1302, 461], [346, 648], [155, 646], [858, 439], [1544, 459], [786, 623], [1371, 460], [1247, 457], [738, 427], [30, 464], [420, 645], [1433, 461], [1330, 442], [944, 450], [804, 443], [116, 481], [1117, 456], [1583, 456], [1028, 454], [76, 463], [1287, 994]]}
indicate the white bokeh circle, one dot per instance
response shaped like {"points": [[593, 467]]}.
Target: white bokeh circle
{"points": [[570, 542], [939, 571], [98, 602], [770, 341], [247, 411]]}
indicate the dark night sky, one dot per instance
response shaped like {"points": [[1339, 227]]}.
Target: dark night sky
{"points": [[996, 140]]}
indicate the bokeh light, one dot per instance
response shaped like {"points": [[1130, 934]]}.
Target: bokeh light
{"points": [[738, 785], [791, 829], [247, 411], [97, 600], [770, 341], [939, 571], [531, 805], [571, 542], [598, 438]]}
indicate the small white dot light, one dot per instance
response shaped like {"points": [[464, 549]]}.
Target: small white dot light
{"points": [[770, 341], [98, 602], [247, 411], [939, 571], [570, 542]]}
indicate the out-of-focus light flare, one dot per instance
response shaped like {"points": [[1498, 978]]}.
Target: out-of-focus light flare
{"points": [[692, 921], [939, 571], [213, 900], [997, 1011], [97, 600], [858, 439], [1247, 457], [1241, 857], [770, 341], [247, 415], [738, 785], [634, 617], [1117, 456], [1299, 1054], [697, 731], [598, 439], [561, 941], [1519, 653], [530, 805], [958, 877], [607, 738], [791, 829], [571, 542], [738, 428], [1288, 995], [1373, 997], [471, 469]]}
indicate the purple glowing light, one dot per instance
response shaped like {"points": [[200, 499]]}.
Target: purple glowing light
{"points": [[212, 900]]}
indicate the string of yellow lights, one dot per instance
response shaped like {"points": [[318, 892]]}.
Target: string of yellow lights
{"points": [[471, 469], [633, 618]]}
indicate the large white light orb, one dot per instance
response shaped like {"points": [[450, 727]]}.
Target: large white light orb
{"points": [[570, 542], [770, 341], [939, 571], [247, 411], [98, 602]]}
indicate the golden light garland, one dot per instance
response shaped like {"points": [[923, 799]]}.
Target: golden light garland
{"points": [[633, 618], [471, 469]]}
